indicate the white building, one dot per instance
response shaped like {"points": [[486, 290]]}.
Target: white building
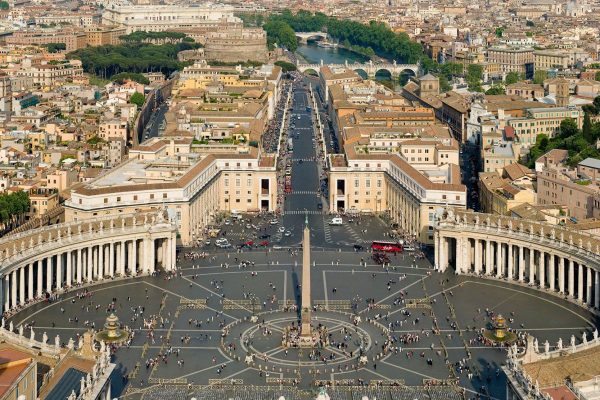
{"points": [[157, 18]]}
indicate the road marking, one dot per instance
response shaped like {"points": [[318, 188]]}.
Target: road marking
{"points": [[392, 295], [63, 299], [414, 372], [514, 290], [284, 287], [325, 289]]}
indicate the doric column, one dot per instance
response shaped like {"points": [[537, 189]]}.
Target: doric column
{"points": [[49, 268], [588, 297], [6, 292], [79, 266], [134, 257], [22, 285], [458, 256], [499, 267], [542, 267], [40, 276], [488, 257], [89, 264], [597, 289], [551, 272], [561, 274], [580, 282], [478, 256], [436, 251], [100, 274], [531, 263], [150, 256], [13, 288], [122, 253], [111, 259], [2, 295], [69, 279], [571, 279], [510, 255], [60, 264], [467, 261], [30, 281], [173, 247], [521, 264]]}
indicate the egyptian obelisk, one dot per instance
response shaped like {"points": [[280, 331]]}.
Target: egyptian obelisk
{"points": [[306, 334]]}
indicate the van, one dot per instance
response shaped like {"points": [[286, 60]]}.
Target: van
{"points": [[235, 214], [336, 221]]}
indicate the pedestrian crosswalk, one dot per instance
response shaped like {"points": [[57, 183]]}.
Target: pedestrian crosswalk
{"points": [[304, 159], [303, 192], [302, 212]]}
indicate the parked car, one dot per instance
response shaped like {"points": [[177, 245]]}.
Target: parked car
{"points": [[265, 236]]}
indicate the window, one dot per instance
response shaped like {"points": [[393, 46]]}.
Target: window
{"points": [[105, 200], [151, 196], [135, 197], [249, 182], [164, 195], [118, 198], [237, 200], [444, 196], [356, 183], [237, 182], [226, 181]]}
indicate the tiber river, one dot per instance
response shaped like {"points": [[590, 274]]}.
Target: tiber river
{"points": [[313, 54]]}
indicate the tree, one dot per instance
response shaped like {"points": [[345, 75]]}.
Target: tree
{"points": [[499, 31], [55, 47], [137, 99], [588, 135], [286, 66], [474, 76], [539, 77], [568, 128], [4, 5], [512, 77], [496, 89], [529, 23], [597, 103], [597, 77], [123, 76], [280, 33], [444, 84]]}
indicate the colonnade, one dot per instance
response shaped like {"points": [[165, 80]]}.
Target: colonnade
{"points": [[90, 256], [556, 260]]}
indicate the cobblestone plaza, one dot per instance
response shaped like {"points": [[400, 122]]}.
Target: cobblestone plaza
{"points": [[203, 335]]}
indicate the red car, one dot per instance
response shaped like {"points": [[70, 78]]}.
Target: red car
{"points": [[264, 243]]}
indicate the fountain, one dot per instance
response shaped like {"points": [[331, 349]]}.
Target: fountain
{"points": [[112, 332], [499, 332]]}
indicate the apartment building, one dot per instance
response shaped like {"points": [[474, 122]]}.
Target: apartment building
{"points": [[99, 35], [193, 187], [559, 185], [502, 191], [72, 38], [46, 74], [512, 59], [545, 121], [544, 60]]}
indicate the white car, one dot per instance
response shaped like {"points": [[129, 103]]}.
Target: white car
{"points": [[281, 229], [287, 234], [336, 221], [274, 222]]}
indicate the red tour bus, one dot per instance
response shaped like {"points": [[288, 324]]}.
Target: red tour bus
{"points": [[390, 247]]}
